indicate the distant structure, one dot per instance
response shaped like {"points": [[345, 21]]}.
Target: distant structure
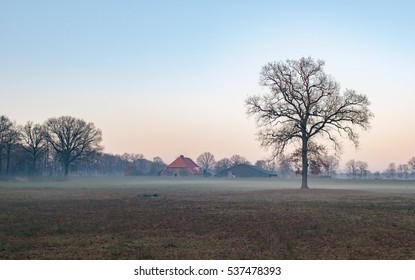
{"points": [[245, 171], [182, 166]]}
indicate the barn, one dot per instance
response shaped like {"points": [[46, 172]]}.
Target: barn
{"points": [[245, 171], [182, 166]]}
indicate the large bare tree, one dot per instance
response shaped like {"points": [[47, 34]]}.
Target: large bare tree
{"points": [[73, 139], [305, 103]]}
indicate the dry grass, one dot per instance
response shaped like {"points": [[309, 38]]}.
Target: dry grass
{"points": [[131, 218]]}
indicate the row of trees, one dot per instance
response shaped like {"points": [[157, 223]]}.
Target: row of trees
{"points": [[64, 143], [320, 163], [67, 144], [401, 171], [360, 169], [357, 169], [53, 146]]}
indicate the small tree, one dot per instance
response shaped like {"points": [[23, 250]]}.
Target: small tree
{"points": [[222, 164], [351, 168], [73, 139], [206, 161], [362, 168], [261, 164], [238, 159], [5, 127], [411, 165], [157, 166], [9, 138], [285, 167], [331, 165], [391, 170], [403, 171], [303, 104]]}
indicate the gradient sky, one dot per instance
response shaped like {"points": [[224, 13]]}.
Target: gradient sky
{"points": [[165, 78]]}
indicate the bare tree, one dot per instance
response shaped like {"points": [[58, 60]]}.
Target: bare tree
{"points": [[362, 168], [73, 139], [411, 164], [261, 164], [222, 164], [10, 141], [136, 157], [403, 171], [391, 170], [5, 126], [157, 166], [351, 168], [331, 165], [206, 160], [9, 138], [305, 103], [285, 167], [238, 159], [34, 142]]}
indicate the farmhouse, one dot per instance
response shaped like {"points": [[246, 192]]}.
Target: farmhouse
{"points": [[245, 171], [182, 166]]}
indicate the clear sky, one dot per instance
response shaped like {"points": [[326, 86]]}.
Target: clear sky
{"points": [[165, 78]]}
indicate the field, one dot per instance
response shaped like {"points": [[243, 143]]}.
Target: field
{"points": [[177, 218]]}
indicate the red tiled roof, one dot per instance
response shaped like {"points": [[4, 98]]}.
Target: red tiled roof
{"points": [[185, 163]]}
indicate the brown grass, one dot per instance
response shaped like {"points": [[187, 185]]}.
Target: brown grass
{"points": [[182, 221]]}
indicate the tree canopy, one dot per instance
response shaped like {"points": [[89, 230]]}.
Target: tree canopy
{"points": [[73, 139]]}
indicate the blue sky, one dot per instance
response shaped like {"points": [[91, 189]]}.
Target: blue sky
{"points": [[165, 78]]}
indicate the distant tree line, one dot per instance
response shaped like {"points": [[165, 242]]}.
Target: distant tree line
{"points": [[400, 171], [360, 169], [61, 146], [321, 164], [68, 145]]}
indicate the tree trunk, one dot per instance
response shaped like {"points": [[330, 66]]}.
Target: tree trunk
{"points": [[34, 166], [66, 169], [304, 157], [8, 161]]}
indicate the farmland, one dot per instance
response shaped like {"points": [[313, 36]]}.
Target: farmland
{"points": [[179, 218]]}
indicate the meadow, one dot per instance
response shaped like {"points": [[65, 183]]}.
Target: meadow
{"points": [[206, 218]]}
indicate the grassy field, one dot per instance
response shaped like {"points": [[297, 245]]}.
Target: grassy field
{"points": [[176, 218]]}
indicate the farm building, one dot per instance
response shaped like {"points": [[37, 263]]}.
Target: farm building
{"points": [[182, 166], [244, 171]]}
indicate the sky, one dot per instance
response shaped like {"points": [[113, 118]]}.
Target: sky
{"points": [[165, 78]]}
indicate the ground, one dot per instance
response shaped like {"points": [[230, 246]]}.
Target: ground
{"points": [[176, 218]]}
